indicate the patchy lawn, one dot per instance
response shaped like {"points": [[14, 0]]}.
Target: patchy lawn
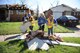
{"points": [[18, 46], [10, 28], [14, 28]]}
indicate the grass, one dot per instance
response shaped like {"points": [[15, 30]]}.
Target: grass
{"points": [[10, 28], [18, 46], [14, 28]]}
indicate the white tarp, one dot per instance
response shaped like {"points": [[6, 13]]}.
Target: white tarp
{"points": [[25, 26], [37, 43]]}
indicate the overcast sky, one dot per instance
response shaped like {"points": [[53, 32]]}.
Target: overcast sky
{"points": [[44, 4]]}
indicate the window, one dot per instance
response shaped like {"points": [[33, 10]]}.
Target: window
{"points": [[20, 11], [64, 18], [74, 13], [71, 17], [79, 13], [11, 11]]}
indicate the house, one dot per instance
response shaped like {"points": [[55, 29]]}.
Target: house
{"points": [[64, 10], [3, 12], [13, 12]]}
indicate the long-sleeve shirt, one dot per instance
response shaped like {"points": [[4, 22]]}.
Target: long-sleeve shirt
{"points": [[41, 20]]}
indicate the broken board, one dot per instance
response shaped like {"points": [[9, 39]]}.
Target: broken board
{"points": [[61, 43], [25, 26], [37, 43], [21, 37]]}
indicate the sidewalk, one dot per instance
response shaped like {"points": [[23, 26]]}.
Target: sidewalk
{"points": [[76, 34], [14, 36]]}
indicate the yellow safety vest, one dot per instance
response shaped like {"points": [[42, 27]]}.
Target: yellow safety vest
{"points": [[33, 22], [31, 19], [50, 23]]}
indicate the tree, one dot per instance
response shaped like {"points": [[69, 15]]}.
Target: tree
{"points": [[22, 2], [37, 10]]}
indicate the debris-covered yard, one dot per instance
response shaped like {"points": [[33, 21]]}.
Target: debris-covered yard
{"points": [[19, 46]]}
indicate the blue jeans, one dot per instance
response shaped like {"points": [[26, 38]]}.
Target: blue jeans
{"points": [[50, 30]]}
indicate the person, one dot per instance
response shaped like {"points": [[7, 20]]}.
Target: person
{"points": [[41, 22], [24, 19], [26, 16], [32, 21], [50, 22], [29, 13], [50, 25]]}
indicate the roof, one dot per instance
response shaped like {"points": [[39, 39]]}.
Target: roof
{"points": [[14, 7], [17, 7], [77, 9], [63, 6], [3, 6]]}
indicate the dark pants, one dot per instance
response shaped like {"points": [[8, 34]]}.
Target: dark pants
{"points": [[41, 27], [50, 30], [31, 27]]}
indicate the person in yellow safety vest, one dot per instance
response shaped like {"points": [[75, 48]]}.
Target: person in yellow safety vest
{"points": [[50, 25], [31, 19]]}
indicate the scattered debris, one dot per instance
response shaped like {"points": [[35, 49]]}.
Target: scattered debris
{"points": [[37, 43], [36, 40], [61, 43]]}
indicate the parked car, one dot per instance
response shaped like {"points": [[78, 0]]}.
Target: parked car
{"points": [[68, 20]]}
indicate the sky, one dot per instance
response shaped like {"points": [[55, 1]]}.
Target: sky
{"points": [[43, 4]]}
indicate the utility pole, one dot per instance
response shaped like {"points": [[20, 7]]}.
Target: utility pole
{"points": [[57, 2], [22, 2], [8, 18], [37, 10]]}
